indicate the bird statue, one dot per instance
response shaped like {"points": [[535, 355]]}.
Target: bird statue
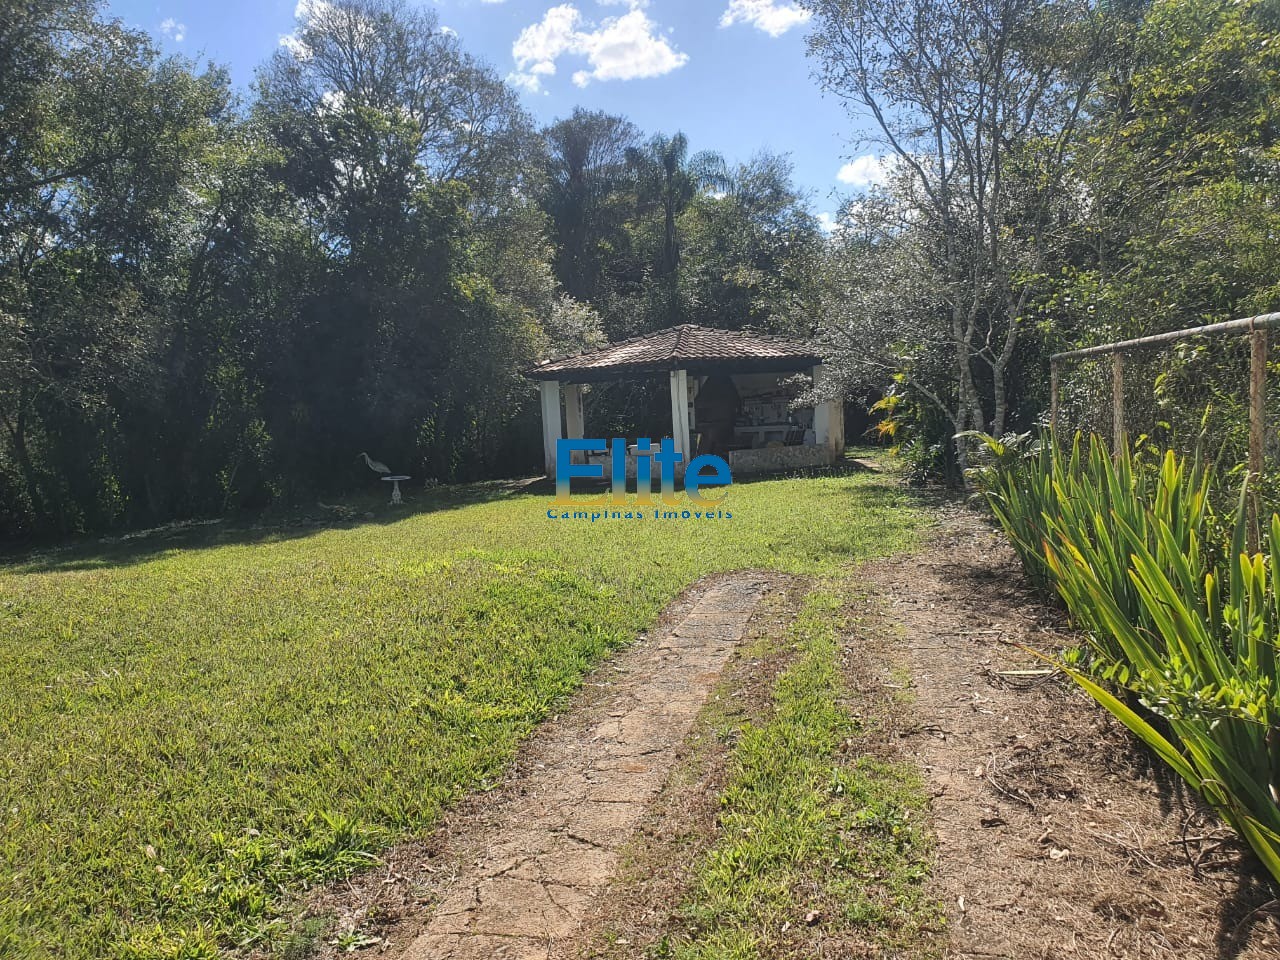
{"points": [[377, 466]]}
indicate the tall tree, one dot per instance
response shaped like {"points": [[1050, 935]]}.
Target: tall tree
{"points": [[411, 160], [975, 106], [751, 247], [101, 137], [589, 197], [1177, 170]]}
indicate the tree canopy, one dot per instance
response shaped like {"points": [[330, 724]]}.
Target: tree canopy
{"points": [[212, 301]]}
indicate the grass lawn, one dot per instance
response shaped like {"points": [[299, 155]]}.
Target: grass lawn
{"points": [[190, 735], [822, 847]]}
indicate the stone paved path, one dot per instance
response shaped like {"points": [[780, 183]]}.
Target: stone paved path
{"points": [[554, 845]]}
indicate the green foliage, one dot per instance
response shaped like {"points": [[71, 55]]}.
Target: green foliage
{"points": [[1179, 158], [209, 306], [191, 735], [1187, 640], [1099, 508], [1149, 205]]}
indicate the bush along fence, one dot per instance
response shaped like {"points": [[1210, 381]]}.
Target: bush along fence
{"points": [[1180, 615]]}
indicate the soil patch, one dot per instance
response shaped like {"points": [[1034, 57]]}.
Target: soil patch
{"points": [[1057, 835]]}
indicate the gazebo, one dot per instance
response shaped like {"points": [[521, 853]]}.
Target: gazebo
{"points": [[744, 413]]}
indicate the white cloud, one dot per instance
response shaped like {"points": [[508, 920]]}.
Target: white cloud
{"points": [[772, 16], [627, 47], [868, 170], [528, 82], [304, 10], [828, 223], [175, 31]]}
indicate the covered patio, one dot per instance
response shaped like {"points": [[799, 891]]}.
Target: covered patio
{"points": [[727, 397]]}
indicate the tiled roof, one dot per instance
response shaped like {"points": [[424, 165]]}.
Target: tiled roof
{"points": [[686, 347]]}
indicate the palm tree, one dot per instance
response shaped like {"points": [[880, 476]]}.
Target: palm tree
{"points": [[669, 179], [588, 173]]}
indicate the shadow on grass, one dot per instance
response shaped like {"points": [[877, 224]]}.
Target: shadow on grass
{"points": [[271, 527], [346, 514]]}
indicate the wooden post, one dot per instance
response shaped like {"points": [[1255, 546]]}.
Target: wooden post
{"points": [[1054, 397], [574, 421], [1117, 403], [1257, 427]]}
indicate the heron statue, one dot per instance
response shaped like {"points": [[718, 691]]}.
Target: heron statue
{"points": [[377, 466]]}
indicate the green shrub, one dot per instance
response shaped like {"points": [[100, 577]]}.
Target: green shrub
{"points": [[1049, 500], [1184, 647]]}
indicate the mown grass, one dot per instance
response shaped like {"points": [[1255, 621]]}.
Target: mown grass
{"points": [[190, 736], [822, 846]]}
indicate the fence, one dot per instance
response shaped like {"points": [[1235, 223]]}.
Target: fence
{"points": [[1253, 327]]}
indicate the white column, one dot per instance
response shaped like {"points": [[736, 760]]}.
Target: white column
{"points": [[828, 417], [821, 412], [574, 421], [550, 390], [680, 413]]}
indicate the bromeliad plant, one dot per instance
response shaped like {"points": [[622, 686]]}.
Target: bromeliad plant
{"points": [[1206, 668], [1018, 483], [1103, 507], [1183, 646]]}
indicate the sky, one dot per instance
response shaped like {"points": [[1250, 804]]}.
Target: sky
{"points": [[731, 74]]}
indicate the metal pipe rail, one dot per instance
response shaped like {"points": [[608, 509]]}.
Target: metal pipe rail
{"points": [[1255, 327], [1247, 325]]}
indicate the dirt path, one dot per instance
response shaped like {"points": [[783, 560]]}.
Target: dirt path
{"points": [[1056, 837], [553, 839]]}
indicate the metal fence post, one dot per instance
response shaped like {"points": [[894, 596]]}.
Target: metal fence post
{"points": [[1257, 427], [1054, 397], [1117, 403]]}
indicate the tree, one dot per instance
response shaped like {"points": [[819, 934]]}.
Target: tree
{"points": [[589, 198], [975, 105], [100, 140], [1177, 164], [411, 161], [367, 93], [668, 179], [751, 246]]}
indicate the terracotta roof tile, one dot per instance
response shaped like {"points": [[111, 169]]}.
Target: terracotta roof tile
{"points": [[686, 347]]}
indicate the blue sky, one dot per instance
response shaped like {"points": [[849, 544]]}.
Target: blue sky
{"points": [[732, 74]]}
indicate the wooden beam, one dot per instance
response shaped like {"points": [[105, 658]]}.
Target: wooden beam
{"points": [[680, 414], [1246, 325], [574, 420], [1055, 391]]}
